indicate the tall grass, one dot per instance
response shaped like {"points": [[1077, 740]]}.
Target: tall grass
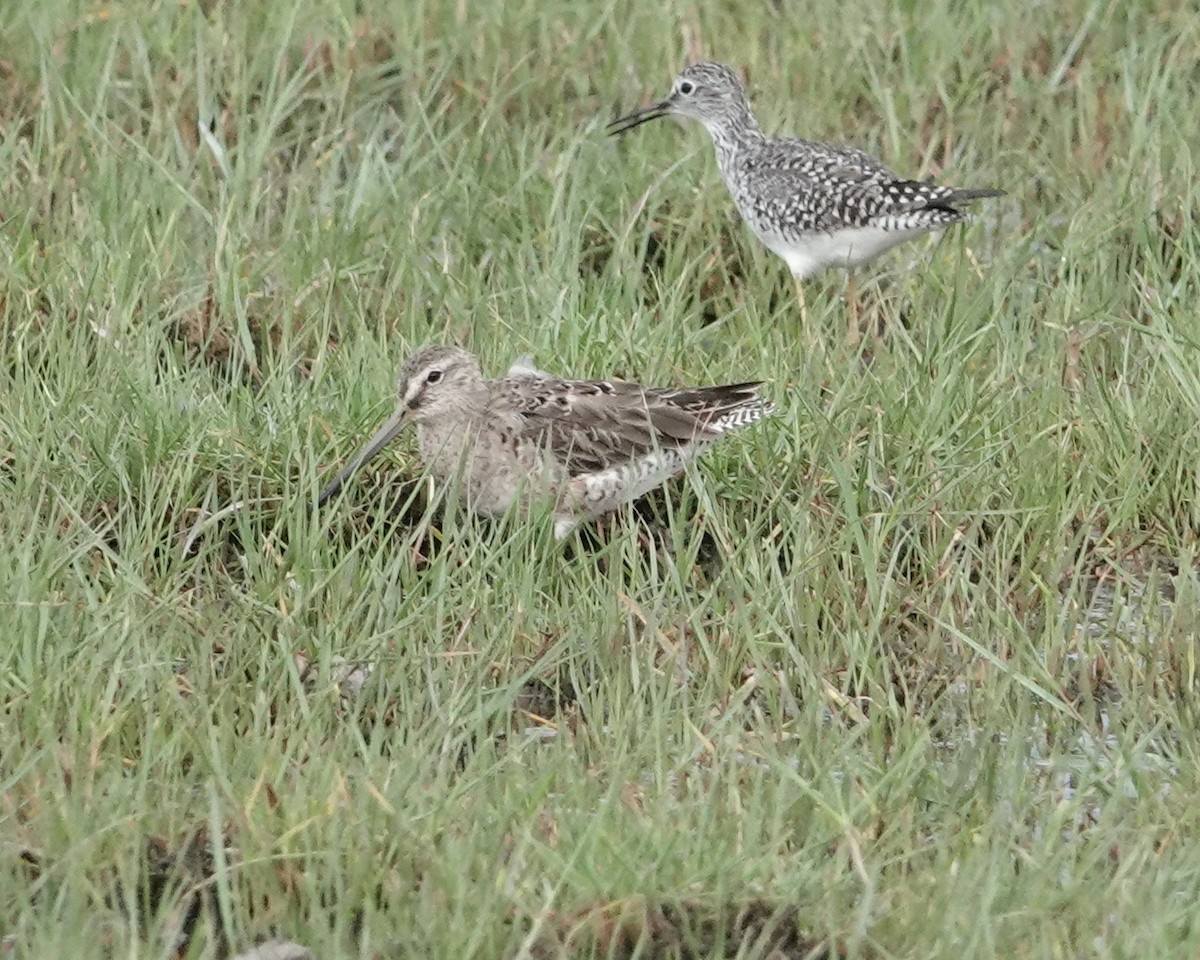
{"points": [[912, 664]]}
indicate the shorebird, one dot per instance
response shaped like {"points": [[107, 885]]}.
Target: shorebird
{"points": [[585, 446], [816, 205]]}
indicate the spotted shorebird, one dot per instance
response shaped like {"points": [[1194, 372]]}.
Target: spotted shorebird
{"points": [[584, 446], [816, 205]]}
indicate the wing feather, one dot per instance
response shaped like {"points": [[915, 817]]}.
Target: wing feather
{"points": [[590, 426]]}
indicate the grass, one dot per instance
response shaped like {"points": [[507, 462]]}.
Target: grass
{"points": [[909, 669]]}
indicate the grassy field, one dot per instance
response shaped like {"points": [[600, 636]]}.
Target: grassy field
{"points": [[908, 671]]}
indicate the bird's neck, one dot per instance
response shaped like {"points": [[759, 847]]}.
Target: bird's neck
{"points": [[455, 424], [734, 132], [468, 405]]}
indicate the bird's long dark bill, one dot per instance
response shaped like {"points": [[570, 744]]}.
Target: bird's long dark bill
{"points": [[638, 117], [383, 436]]}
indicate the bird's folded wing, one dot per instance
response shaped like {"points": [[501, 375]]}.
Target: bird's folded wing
{"points": [[589, 426], [833, 194]]}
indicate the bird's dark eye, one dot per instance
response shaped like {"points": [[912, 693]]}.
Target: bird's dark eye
{"points": [[433, 376], [686, 87]]}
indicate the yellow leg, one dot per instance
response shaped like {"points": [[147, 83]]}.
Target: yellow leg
{"points": [[800, 299], [811, 340], [853, 333]]}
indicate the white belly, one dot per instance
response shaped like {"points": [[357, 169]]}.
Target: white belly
{"points": [[846, 248]]}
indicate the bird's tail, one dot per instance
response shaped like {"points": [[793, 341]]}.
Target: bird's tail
{"points": [[725, 407]]}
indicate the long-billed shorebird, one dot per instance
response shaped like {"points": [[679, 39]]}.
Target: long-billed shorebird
{"points": [[584, 446], [816, 205]]}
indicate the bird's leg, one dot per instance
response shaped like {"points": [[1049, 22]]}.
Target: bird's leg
{"points": [[811, 340], [853, 333], [800, 299]]}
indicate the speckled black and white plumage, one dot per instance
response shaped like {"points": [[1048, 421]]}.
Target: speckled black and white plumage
{"points": [[814, 204]]}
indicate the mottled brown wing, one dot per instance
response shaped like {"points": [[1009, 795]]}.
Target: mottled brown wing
{"points": [[590, 426]]}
